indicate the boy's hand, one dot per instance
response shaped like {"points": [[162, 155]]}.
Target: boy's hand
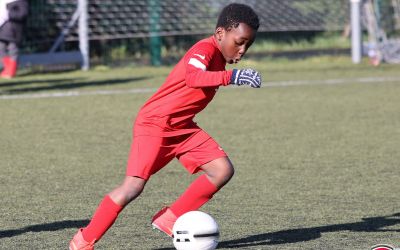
{"points": [[246, 77]]}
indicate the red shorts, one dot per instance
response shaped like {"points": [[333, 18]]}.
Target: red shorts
{"points": [[149, 154]]}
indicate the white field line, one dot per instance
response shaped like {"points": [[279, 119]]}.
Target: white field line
{"points": [[77, 93], [150, 90], [333, 81]]}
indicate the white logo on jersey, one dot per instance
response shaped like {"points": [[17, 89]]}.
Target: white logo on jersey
{"points": [[195, 62], [202, 57]]}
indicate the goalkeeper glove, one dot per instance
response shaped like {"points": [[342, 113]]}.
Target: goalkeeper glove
{"points": [[246, 77]]}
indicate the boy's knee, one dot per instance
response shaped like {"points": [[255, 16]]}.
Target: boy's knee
{"points": [[220, 171], [135, 187], [227, 173], [131, 188]]}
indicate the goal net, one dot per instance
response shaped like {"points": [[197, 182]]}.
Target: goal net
{"points": [[381, 19]]}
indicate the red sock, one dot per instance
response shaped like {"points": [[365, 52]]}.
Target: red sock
{"points": [[105, 215], [198, 193]]}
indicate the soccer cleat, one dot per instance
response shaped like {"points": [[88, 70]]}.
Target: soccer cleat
{"points": [[164, 220], [79, 243]]}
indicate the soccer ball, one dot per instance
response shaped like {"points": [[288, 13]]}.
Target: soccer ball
{"points": [[195, 230]]}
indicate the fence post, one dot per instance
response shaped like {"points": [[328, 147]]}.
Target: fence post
{"points": [[155, 39], [356, 40], [84, 33]]}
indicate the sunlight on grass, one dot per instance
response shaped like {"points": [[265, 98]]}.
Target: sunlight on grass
{"points": [[316, 165]]}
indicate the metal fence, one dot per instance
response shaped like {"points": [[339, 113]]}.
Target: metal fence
{"points": [[111, 20]]}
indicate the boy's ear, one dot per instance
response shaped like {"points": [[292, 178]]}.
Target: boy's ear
{"points": [[219, 33]]}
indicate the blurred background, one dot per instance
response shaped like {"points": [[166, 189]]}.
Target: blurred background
{"points": [[121, 32]]}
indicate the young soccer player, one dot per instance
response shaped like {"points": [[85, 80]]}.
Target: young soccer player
{"points": [[164, 128]]}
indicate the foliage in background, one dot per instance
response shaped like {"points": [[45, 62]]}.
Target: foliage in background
{"points": [[323, 41], [136, 51], [331, 9]]}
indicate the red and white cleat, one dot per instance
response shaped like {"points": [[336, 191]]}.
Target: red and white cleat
{"points": [[164, 221], [79, 243]]}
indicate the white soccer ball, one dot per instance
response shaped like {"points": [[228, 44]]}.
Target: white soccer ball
{"points": [[195, 230]]}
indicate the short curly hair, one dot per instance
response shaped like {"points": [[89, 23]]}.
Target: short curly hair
{"points": [[235, 13]]}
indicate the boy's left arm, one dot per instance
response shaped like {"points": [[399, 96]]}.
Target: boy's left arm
{"points": [[198, 78], [197, 75]]}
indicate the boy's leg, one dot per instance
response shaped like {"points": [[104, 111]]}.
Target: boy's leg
{"points": [[217, 173], [103, 218], [210, 158], [107, 212], [13, 51], [10, 60], [147, 156], [3, 55], [196, 195], [110, 207], [3, 49]]}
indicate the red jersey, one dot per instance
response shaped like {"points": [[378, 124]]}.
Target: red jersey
{"points": [[188, 89]]}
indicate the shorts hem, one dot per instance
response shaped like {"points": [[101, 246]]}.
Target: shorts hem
{"points": [[196, 167], [141, 176]]}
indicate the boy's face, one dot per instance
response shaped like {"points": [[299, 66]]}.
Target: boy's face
{"points": [[234, 43]]}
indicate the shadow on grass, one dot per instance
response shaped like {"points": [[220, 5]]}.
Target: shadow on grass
{"points": [[15, 82], [373, 224], [63, 84], [53, 226]]}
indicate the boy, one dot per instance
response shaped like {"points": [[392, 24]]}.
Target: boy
{"points": [[164, 127]]}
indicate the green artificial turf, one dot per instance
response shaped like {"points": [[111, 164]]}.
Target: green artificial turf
{"points": [[316, 152]]}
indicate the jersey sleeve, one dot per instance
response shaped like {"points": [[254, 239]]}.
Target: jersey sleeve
{"points": [[197, 63]]}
